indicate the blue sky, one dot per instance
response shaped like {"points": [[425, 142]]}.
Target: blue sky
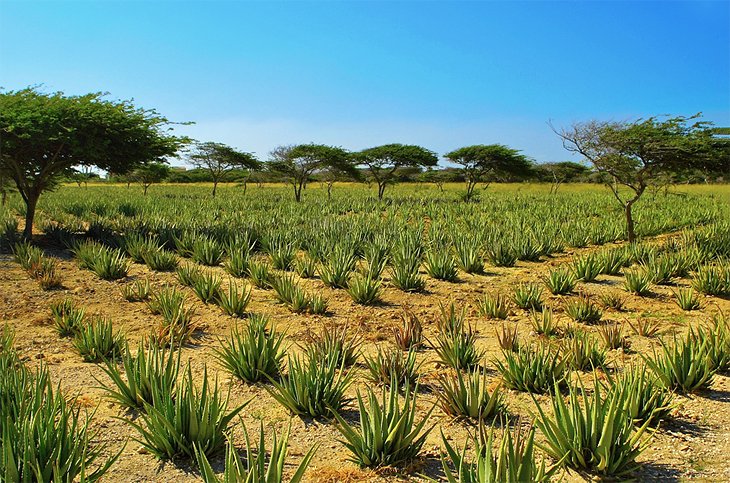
{"points": [[357, 74]]}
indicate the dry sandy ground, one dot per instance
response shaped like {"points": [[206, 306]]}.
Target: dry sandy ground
{"points": [[693, 443]]}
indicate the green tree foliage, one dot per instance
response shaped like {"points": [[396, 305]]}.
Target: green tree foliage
{"points": [[382, 162], [298, 163], [561, 172], [219, 160], [151, 173], [43, 135], [485, 162], [635, 155]]}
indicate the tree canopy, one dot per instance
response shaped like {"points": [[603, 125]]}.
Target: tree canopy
{"points": [[482, 160], [298, 163], [42, 135], [644, 152], [383, 161], [151, 173], [219, 160]]}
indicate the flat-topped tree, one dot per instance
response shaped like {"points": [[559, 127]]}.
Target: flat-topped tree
{"points": [[298, 163], [635, 155], [219, 160], [43, 135], [484, 162], [383, 161], [150, 174]]}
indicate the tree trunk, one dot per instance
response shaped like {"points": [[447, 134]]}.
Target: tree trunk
{"points": [[4, 198], [145, 188], [381, 190], [630, 222], [470, 184], [245, 187], [215, 187], [298, 191], [30, 205], [329, 191]]}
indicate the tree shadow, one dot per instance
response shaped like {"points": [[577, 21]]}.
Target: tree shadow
{"points": [[654, 471]]}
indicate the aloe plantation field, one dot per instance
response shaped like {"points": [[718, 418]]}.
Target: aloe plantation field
{"points": [[176, 336]]}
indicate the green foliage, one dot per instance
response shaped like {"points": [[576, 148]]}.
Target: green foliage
{"points": [[645, 398], [535, 371], [582, 309], [637, 282], [257, 468], [260, 275], [306, 267], [238, 262], [515, 460], [160, 260], [404, 272], [364, 290], [207, 286], [528, 296], [253, 354], [684, 366], [587, 268], [494, 306], [185, 423], [377, 257], [152, 370], [612, 300], [67, 318], [234, 301], [440, 265], [96, 341], [188, 274], [137, 291], [712, 280], [581, 353], [312, 387], [501, 255], [207, 251], [560, 281], [456, 347], [388, 434], [645, 327], [38, 266], [611, 261], [336, 343], [282, 253], [687, 299], [592, 433], [468, 396], [469, 253], [612, 336], [543, 322], [393, 366], [177, 325]]}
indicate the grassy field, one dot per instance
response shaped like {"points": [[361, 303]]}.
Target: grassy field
{"points": [[477, 314]]}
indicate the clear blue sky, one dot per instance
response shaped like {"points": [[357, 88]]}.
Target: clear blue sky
{"points": [[357, 74]]}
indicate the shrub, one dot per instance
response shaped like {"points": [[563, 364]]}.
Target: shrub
{"points": [[530, 370], [364, 290], [560, 281], [508, 339], [313, 387], [612, 261], [238, 262], [645, 327], [109, 264], [494, 306], [335, 343], [592, 433], [388, 434], [712, 280], [440, 264], [377, 257], [457, 348], [685, 366], [282, 253], [177, 325], [393, 366], [150, 371], [260, 275], [191, 421], [468, 396], [583, 310], [253, 354], [587, 268], [234, 301], [160, 260], [257, 468], [318, 304], [500, 255], [613, 337], [687, 299], [581, 353], [528, 296], [637, 282], [137, 291], [410, 334], [612, 300], [469, 253], [404, 274], [306, 267], [336, 272], [543, 322], [207, 287], [188, 274], [207, 251], [645, 398], [515, 461], [96, 341], [67, 318]]}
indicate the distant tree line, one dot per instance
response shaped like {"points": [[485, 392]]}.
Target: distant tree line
{"points": [[46, 138]]}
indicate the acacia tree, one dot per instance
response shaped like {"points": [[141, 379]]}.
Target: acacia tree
{"points": [[298, 163], [43, 135], [632, 156], [150, 174], [482, 162], [219, 160], [383, 161], [561, 172]]}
